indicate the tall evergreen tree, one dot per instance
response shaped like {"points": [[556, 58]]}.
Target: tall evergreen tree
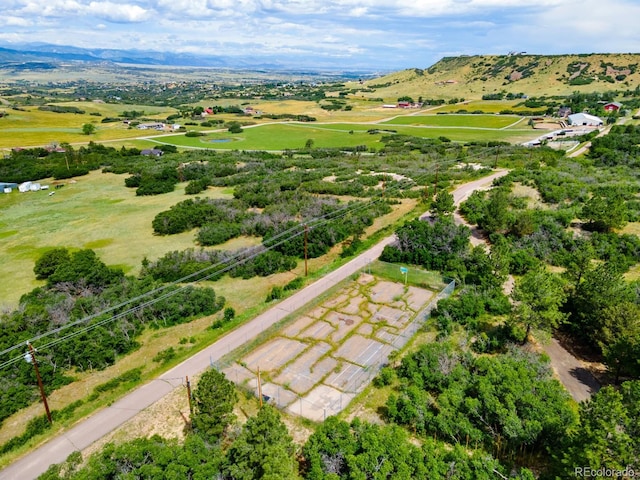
{"points": [[213, 402], [538, 297], [263, 451]]}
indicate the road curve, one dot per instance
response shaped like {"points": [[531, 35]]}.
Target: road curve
{"points": [[91, 429]]}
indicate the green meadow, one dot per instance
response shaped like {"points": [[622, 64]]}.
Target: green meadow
{"points": [[464, 121], [279, 137], [30, 127], [331, 135], [97, 212], [487, 106]]}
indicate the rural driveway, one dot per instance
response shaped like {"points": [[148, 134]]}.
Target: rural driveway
{"points": [[83, 434], [577, 379]]}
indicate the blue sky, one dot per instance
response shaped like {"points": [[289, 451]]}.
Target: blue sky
{"points": [[376, 34]]}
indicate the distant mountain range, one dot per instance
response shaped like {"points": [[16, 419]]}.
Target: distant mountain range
{"points": [[41, 56], [55, 53]]}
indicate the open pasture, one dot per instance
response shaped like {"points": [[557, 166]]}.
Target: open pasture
{"points": [[324, 357], [285, 136], [97, 212], [468, 120], [487, 106], [32, 127], [281, 136]]}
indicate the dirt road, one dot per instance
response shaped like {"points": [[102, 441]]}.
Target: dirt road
{"points": [[83, 434], [577, 379], [573, 374]]}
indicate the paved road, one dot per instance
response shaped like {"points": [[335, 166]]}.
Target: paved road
{"points": [[83, 434]]}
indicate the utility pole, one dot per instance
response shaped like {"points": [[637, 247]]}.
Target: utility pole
{"points": [[189, 396], [435, 185], [495, 162], [306, 267], [32, 356], [259, 387]]}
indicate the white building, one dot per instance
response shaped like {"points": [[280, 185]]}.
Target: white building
{"points": [[29, 187], [151, 126], [584, 119]]}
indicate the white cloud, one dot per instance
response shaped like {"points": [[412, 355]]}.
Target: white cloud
{"points": [[13, 21], [400, 31], [50, 8], [116, 12], [612, 18]]}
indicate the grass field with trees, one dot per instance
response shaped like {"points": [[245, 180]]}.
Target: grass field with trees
{"points": [[473, 401]]}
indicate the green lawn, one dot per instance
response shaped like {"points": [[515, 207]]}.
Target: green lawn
{"points": [[469, 121], [91, 213], [295, 136], [278, 137], [488, 106]]}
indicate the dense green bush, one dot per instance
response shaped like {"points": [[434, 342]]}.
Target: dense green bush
{"points": [[510, 399]]}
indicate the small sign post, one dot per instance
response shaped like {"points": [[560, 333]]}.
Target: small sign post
{"points": [[404, 271]]}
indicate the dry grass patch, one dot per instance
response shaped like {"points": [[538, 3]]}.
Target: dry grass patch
{"points": [[33, 127], [534, 200]]}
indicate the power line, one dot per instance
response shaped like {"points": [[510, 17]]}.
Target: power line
{"points": [[192, 278]]}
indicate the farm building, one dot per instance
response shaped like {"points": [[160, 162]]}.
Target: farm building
{"points": [[585, 119], [29, 187], [8, 187], [564, 112], [152, 152], [151, 126], [612, 106]]}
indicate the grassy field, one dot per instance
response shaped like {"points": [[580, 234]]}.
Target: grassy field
{"points": [[293, 136], [96, 212], [414, 276], [33, 127], [469, 121], [278, 137], [487, 106], [99, 212]]}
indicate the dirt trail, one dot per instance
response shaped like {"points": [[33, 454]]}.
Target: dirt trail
{"points": [[572, 373]]}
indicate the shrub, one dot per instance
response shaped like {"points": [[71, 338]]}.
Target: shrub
{"points": [[276, 293], [294, 284], [165, 356], [193, 133]]}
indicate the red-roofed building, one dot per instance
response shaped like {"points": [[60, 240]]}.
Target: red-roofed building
{"points": [[612, 106]]}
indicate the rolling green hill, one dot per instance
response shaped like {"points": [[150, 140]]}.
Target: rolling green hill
{"points": [[471, 77]]}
